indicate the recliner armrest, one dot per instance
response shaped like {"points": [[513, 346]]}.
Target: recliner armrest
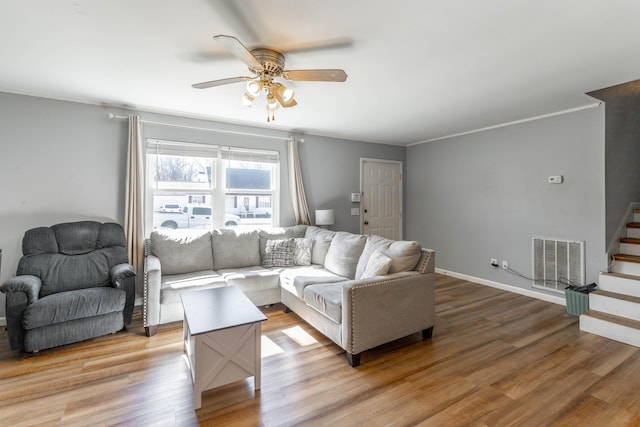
{"points": [[123, 277], [28, 284], [21, 292], [119, 272]]}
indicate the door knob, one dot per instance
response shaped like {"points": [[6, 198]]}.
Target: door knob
{"points": [[366, 223]]}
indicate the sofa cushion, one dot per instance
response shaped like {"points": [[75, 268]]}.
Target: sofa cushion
{"points": [[302, 252], [344, 253], [182, 251], [66, 306], [295, 280], [235, 248], [279, 253], [173, 285], [378, 265], [404, 254], [251, 279], [326, 298]]}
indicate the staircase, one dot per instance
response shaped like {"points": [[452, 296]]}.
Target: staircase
{"points": [[614, 309]]}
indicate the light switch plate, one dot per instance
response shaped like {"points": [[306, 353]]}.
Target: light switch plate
{"points": [[355, 211], [555, 179]]}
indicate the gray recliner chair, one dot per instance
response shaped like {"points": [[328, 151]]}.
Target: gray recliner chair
{"points": [[73, 283]]}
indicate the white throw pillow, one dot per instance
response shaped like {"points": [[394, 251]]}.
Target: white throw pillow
{"points": [[378, 265], [302, 253]]}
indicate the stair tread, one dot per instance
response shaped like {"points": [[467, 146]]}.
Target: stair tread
{"points": [[622, 276], [619, 296], [630, 240], [623, 321], [633, 224], [627, 257]]}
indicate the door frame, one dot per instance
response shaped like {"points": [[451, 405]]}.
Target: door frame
{"points": [[400, 163]]}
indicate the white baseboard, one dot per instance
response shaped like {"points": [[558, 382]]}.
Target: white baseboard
{"points": [[504, 287], [3, 321]]}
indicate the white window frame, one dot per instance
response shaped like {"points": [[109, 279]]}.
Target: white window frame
{"points": [[218, 155]]}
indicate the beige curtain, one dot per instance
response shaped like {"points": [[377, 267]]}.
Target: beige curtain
{"points": [[296, 186], [133, 204]]}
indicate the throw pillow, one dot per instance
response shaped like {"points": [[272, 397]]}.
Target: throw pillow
{"points": [[279, 253], [378, 265], [302, 253]]}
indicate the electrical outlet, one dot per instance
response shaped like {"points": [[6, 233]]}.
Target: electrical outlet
{"points": [[505, 265], [493, 262]]}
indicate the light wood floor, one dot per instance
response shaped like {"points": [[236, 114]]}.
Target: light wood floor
{"points": [[496, 358]]}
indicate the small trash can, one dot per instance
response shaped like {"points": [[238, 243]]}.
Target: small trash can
{"points": [[577, 298]]}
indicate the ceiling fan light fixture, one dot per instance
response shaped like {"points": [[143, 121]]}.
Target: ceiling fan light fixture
{"points": [[247, 99], [254, 87], [272, 103], [285, 95]]}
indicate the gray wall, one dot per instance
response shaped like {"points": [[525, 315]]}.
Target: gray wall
{"points": [[64, 161], [622, 152], [485, 195], [331, 172]]}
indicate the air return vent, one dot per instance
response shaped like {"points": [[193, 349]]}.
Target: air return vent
{"points": [[557, 263]]}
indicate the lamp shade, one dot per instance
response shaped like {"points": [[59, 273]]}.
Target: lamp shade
{"points": [[324, 217]]}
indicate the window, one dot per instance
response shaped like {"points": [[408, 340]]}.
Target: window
{"points": [[206, 186]]}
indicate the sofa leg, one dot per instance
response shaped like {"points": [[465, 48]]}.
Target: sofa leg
{"points": [[286, 309], [150, 330], [353, 359], [427, 333]]}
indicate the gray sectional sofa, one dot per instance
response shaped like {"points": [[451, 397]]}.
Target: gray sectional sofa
{"points": [[360, 291]]}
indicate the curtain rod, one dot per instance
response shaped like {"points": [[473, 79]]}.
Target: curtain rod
{"points": [[114, 116]]}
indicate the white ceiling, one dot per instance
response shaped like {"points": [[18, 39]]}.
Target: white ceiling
{"points": [[418, 69]]}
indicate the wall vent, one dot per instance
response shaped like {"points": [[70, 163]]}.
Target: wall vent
{"points": [[557, 263]]}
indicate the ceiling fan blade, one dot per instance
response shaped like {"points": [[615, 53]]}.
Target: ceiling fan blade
{"points": [[316, 45], [329, 75], [234, 46], [241, 17], [220, 82]]}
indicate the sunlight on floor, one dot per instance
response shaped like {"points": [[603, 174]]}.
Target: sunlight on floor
{"points": [[299, 335], [269, 348]]}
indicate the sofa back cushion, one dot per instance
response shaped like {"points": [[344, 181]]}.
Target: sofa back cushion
{"points": [[235, 248], [344, 253], [404, 254], [182, 251], [319, 250], [317, 233], [321, 241]]}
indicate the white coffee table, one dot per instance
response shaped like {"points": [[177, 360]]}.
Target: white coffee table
{"points": [[221, 338]]}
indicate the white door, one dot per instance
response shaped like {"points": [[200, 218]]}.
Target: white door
{"points": [[381, 201]]}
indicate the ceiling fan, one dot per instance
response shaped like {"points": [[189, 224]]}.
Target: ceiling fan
{"points": [[267, 65]]}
